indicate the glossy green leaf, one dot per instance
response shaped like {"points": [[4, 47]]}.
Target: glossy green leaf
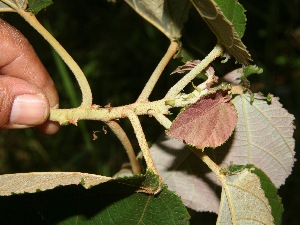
{"points": [[235, 13], [37, 5], [227, 21], [166, 15]]}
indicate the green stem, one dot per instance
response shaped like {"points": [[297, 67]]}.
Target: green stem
{"points": [[81, 79], [158, 71], [180, 85]]}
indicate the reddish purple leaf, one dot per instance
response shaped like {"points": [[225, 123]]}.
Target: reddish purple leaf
{"points": [[207, 123]]}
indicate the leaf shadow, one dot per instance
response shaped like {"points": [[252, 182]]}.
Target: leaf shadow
{"points": [[187, 163], [59, 204]]}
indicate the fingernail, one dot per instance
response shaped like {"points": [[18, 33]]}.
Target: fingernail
{"points": [[29, 109]]}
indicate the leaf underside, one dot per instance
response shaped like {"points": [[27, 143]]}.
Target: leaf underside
{"points": [[253, 142], [185, 174], [263, 136], [243, 200], [227, 29], [19, 4], [40, 181], [207, 123], [166, 15], [268, 187]]}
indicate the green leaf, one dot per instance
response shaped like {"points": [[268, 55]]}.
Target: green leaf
{"points": [[243, 200], [114, 202], [269, 188], [227, 21], [11, 5], [252, 69], [235, 13], [37, 5], [166, 15]]}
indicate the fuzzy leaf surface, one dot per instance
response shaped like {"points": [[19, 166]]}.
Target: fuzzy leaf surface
{"points": [[227, 21], [243, 201], [20, 183], [185, 174], [12, 5], [207, 123], [263, 137], [166, 15], [267, 186]]}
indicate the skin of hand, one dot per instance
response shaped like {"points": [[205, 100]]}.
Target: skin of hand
{"points": [[27, 92]]}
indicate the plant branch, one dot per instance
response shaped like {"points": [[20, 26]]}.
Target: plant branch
{"points": [[180, 85], [162, 119], [120, 133], [81, 79], [139, 133], [158, 71], [211, 164]]}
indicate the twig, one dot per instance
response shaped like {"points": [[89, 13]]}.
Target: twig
{"points": [[174, 91], [212, 165], [157, 72], [162, 119], [120, 133], [81, 79], [139, 133]]}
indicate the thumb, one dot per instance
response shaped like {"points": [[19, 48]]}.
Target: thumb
{"points": [[21, 103]]}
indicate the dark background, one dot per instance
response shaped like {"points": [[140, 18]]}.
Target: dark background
{"points": [[118, 51]]}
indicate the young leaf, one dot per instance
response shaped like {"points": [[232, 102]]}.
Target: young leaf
{"points": [[185, 174], [243, 201], [37, 5], [12, 5], [207, 123], [166, 15], [227, 21], [31, 182], [263, 137]]}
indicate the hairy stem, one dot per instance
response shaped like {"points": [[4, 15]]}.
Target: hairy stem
{"points": [[63, 116], [158, 71], [139, 133], [180, 85], [162, 119], [81, 79], [212, 165], [120, 133]]}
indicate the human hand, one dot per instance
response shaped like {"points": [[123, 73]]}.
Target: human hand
{"points": [[27, 92]]}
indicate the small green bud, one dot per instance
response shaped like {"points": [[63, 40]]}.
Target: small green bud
{"points": [[170, 102]]}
